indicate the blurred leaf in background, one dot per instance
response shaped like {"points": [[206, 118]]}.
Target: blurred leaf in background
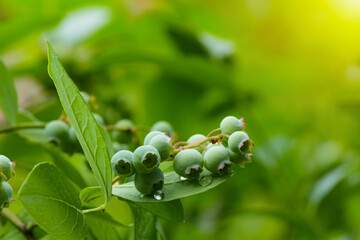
{"points": [[291, 68]]}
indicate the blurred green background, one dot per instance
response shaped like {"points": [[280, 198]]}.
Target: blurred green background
{"points": [[291, 68]]}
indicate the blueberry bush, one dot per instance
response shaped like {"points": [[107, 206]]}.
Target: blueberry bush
{"points": [[150, 175]]}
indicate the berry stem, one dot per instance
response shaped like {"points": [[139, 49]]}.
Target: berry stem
{"points": [[18, 223], [213, 131], [20, 127], [199, 143], [180, 143]]}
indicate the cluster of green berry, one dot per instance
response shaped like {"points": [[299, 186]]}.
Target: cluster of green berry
{"points": [[217, 153], [145, 160], [6, 172]]}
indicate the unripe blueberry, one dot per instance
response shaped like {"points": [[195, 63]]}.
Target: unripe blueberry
{"points": [[125, 135], [85, 96], [196, 138], [239, 158], [163, 145], [150, 135], [73, 143], [7, 167], [149, 183], [239, 142], [121, 163], [188, 163], [57, 132], [99, 119], [217, 160], [146, 158], [231, 124], [6, 193], [164, 127]]}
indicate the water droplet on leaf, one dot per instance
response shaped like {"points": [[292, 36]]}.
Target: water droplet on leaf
{"points": [[159, 195], [183, 178], [205, 180]]}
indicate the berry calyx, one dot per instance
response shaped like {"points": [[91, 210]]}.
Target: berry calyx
{"points": [[121, 163], [7, 167], [146, 158], [240, 142]]}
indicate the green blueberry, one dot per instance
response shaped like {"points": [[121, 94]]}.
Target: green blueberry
{"points": [[217, 160], [231, 124], [196, 138], [57, 132], [7, 167], [6, 193], [150, 135], [149, 183], [125, 134], [73, 143], [163, 126], [121, 163], [120, 146], [188, 163], [99, 119], [239, 158], [239, 142], [146, 158], [163, 145], [85, 96]]}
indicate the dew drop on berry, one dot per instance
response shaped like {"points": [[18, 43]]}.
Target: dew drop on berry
{"points": [[183, 178], [159, 195], [205, 180]]}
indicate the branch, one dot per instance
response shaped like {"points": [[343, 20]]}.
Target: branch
{"points": [[20, 127], [18, 223]]}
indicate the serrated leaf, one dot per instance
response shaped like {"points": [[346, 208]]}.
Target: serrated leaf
{"points": [[82, 120], [53, 202], [171, 210], [8, 96], [173, 189]]}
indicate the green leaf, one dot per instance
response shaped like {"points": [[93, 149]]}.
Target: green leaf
{"points": [[63, 161], [173, 189], [171, 210], [53, 202], [8, 96], [89, 194], [144, 225], [82, 120], [102, 226], [107, 140]]}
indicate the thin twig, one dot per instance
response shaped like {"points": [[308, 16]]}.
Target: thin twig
{"points": [[21, 127], [18, 223]]}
